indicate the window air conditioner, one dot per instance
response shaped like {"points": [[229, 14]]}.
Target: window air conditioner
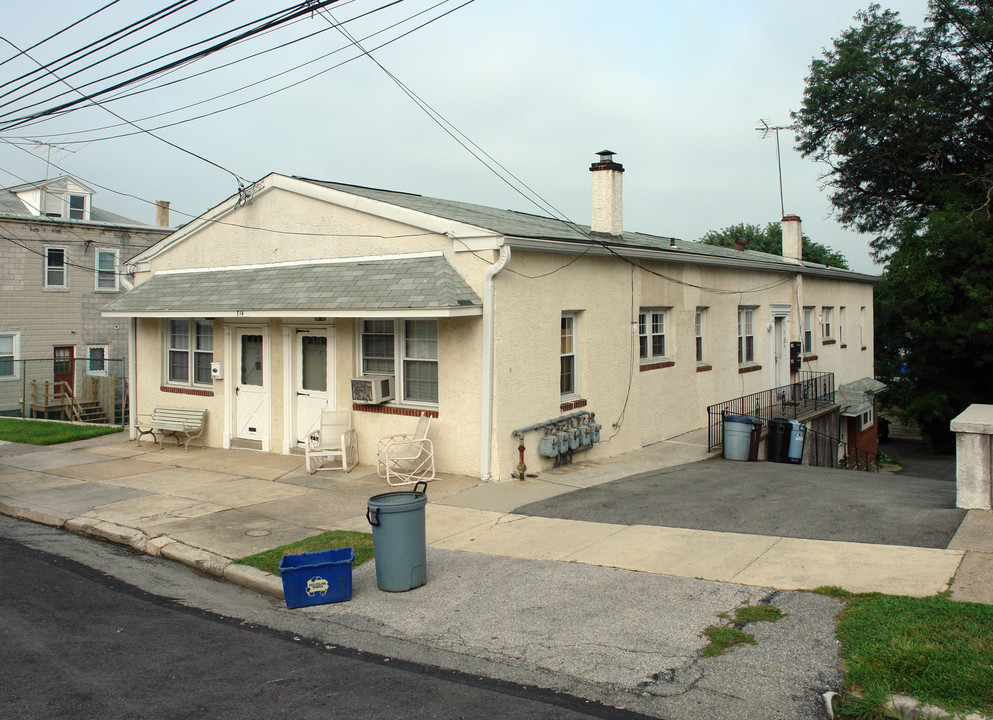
{"points": [[372, 389]]}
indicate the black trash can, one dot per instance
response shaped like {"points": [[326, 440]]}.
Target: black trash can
{"points": [[755, 439], [777, 444], [398, 538]]}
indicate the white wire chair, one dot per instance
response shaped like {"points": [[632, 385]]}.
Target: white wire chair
{"points": [[407, 458]]}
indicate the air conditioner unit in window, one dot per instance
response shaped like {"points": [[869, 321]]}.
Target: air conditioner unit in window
{"points": [[372, 389]]}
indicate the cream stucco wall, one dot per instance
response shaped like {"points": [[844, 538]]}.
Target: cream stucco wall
{"points": [[635, 407]]}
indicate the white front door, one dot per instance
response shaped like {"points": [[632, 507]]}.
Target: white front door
{"points": [[252, 394], [313, 362]]}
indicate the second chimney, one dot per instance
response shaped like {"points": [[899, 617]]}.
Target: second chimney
{"points": [[608, 205], [792, 239], [162, 213]]}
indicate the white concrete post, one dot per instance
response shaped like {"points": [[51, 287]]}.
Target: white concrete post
{"points": [[973, 430]]}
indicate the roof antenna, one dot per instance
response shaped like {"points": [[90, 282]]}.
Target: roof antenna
{"points": [[765, 128]]}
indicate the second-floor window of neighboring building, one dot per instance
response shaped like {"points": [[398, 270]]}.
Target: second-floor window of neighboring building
{"points": [[841, 325], [56, 275], [808, 330], [567, 356], [827, 327], [746, 335], [652, 330], [107, 270]]}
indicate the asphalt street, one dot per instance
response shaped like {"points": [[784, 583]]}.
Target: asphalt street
{"points": [[78, 642]]}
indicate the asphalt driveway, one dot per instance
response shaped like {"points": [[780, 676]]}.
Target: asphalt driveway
{"points": [[764, 498]]}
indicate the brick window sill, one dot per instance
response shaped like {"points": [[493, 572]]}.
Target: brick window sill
{"points": [[843, 346], [748, 369], [657, 365], [572, 405], [394, 410], [704, 368], [864, 347], [828, 342], [807, 358], [186, 391]]}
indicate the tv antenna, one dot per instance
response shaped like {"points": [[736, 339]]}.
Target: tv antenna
{"points": [[765, 129]]}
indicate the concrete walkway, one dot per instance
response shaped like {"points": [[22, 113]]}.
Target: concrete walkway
{"points": [[233, 503]]}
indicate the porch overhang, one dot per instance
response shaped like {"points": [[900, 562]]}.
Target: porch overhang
{"points": [[412, 286], [855, 398]]}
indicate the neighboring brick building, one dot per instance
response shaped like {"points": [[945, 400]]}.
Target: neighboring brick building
{"points": [[61, 261]]}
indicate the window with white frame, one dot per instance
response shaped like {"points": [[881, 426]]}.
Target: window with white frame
{"points": [[746, 335], [8, 355], [827, 323], [867, 419], [56, 274], [77, 207], [862, 326], [106, 271], [652, 330], [415, 343], [701, 335], [841, 325], [568, 367], [808, 330], [96, 360], [190, 351]]}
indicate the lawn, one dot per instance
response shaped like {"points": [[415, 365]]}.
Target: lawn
{"points": [[35, 432], [268, 560], [934, 649]]}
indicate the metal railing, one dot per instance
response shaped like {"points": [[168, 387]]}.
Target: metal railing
{"points": [[75, 389], [811, 391], [831, 452]]}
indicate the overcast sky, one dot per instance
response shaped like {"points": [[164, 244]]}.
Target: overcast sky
{"points": [[674, 88]]}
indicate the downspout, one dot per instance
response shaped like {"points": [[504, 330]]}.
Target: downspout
{"points": [[132, 376], [486, 414]]}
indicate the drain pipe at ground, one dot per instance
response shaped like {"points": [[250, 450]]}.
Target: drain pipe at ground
{"points": [[486, 414]]}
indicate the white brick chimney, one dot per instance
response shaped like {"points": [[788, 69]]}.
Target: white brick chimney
{"points": [[608, 205], [792, 239]]}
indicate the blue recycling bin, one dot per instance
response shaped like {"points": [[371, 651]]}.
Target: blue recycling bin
{"points": [[798, 435], [316, 578]]}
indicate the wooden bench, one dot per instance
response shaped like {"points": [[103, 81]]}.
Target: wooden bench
{"points": [[172, 422]]}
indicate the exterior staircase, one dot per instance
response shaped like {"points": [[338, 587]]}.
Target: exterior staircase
{"points": [[92, 412]]}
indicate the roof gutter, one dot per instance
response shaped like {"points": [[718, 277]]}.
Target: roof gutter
{"points": [[486, 401], [678, 255]]}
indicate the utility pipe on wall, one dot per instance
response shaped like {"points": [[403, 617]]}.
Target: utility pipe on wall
{"points": [[486, 414]]}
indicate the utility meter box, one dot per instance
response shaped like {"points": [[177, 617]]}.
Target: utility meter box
{"points": [[217, 371]]}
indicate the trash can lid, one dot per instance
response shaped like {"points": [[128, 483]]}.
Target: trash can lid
{"points": [[398, 501], [738, 419]]}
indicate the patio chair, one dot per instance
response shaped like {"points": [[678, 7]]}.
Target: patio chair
{"points": [[332, 445], [407, 458]]}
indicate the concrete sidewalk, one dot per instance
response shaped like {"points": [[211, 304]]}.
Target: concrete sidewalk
{"points": [[604, 610], [234, 503]]}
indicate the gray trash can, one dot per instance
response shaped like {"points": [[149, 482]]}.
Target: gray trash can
{"points": [[737, 437], [398, 538]]}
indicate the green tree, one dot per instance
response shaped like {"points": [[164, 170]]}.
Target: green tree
{"points": [[903, 120], [770, 240]]}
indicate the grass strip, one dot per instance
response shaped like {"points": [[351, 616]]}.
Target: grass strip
{"points": [[35, 432], [268, 560], [934, 649], [725, 637]]}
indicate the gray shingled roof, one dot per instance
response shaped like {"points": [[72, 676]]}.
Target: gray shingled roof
{"points": [[404, 283], [855, 397], [512, 223]]}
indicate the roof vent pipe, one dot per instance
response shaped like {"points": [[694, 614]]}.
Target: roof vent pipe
{"points": [[608, 205], [740, 243]]}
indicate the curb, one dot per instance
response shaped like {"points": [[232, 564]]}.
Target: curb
{"points": [[200, 560], [904, 707]]}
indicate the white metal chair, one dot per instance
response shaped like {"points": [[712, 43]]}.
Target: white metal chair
{"points": [[332, 445], [407, 458]]}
